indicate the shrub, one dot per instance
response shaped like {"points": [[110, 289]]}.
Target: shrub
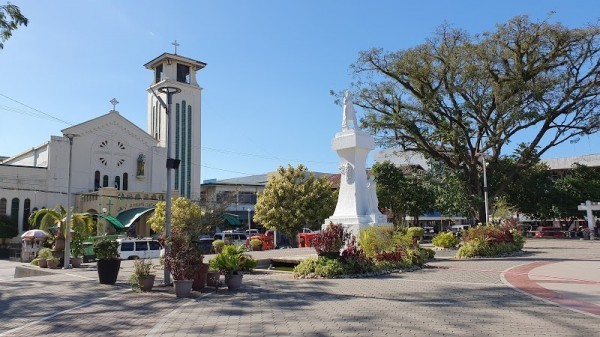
{"points": [[331, 239], [491, 241], [354, 259], [427, 253], [45, 253], [256, 243], [376, 239], [445, 240], [415, 232], [316, 267], [218, 245]]}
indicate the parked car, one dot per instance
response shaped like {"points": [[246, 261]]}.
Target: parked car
{"points": [[548, 232], [131, 249], [205, 245], [235, 238]]}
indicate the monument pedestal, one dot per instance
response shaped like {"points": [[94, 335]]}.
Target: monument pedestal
{"points": [[357, 205]]}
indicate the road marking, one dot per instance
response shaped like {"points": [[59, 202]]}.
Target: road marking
{"points": [[521, 282], [7, 333]]}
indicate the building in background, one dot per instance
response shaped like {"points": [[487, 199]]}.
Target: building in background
{"points": [[117, 168]]}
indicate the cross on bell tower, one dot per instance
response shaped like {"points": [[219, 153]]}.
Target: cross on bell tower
{"points": [[175, 44]]}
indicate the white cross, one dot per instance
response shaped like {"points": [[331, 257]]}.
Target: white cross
{"points": [[176, 45], [114, 103]]}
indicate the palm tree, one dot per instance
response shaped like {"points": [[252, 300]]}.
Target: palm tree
{"points": [[47, 218]]}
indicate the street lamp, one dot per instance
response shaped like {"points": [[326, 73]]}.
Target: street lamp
{"points": [[485, 188], [67, 257], [171, 164], [249, 223]]}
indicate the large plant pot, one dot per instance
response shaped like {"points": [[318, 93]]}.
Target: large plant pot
{"points": [[200, 277], [43, 263], [108, 270], [52, 264], [183, 288], [76, 262], [146, 283], [233, 281], [212, 278]]}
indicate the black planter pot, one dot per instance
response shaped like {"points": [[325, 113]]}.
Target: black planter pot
{"points": [[108, 270]]}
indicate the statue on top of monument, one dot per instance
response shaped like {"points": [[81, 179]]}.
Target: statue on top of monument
{"points": [[349, 117]]}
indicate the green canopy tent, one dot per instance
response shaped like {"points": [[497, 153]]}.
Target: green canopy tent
{"points": [[118, 226], [231, 219]]}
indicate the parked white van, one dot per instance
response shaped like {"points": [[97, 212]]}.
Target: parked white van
{"points": [[234, 238], [131, 249]]}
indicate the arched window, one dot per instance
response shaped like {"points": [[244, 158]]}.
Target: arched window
{"points": [[118, 182], [125, 181], [105, 181], [14, 210], [3, 206], [26, 213], [96, 180]]}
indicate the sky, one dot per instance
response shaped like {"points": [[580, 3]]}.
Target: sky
{"points": [[271, 65]]}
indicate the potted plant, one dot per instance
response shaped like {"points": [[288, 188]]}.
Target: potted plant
{"points": [[108, 264], [182, 259], [77, 252], [218, 245], [52, 262], [232, 261], [142, 277], [43, 255], [256, 244]]}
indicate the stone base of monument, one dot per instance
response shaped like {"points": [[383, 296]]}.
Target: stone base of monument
{"points": [[354, 224]]}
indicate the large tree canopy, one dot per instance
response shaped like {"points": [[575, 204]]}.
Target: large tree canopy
{"points": [[456, 96], [295, 198], [10, 19]]}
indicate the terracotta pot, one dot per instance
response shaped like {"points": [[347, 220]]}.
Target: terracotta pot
{"points": [[43, 263], [212, 278], [200, 276], [146, 283], [76, 262], [233, 281], [183, 288], [52, 264], [108, 270]]}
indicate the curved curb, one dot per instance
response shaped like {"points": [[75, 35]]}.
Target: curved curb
{"points": [[518, 278]]}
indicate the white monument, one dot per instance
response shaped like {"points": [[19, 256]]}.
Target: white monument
{"points": [[357, 201]]}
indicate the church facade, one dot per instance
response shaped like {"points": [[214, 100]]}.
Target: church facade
{"points": [[116, 167]]}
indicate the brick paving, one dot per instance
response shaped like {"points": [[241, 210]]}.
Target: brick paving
{"points": [[450, 298]]}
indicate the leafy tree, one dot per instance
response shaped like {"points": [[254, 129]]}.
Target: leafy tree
{"points": [[185, 216], [583, 183], [450, 190], [294, 198], [402, 195], [10, 19], [47, 218], [390, 182], [8, 229], [456, 96]]}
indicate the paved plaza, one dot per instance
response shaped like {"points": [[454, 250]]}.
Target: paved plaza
{"points": [[552, 290]]}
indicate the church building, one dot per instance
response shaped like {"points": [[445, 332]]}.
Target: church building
{"points": [[116, 167]]}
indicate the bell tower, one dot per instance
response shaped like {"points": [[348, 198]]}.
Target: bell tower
{"points": [[172, 70]]}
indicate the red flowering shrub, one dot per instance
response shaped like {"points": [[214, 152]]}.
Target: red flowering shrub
{"points": [[331, 240]]}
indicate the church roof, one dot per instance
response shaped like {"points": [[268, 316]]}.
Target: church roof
{"points": [[168, 56], [89, 126]]}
